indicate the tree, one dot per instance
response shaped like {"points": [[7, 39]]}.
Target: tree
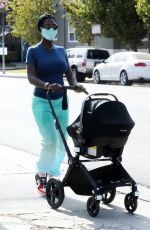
{"points": [[77, 11], [118, 19], [23, 15], [143, 10]]}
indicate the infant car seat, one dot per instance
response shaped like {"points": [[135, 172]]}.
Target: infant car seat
{"points": [[103, 125]]}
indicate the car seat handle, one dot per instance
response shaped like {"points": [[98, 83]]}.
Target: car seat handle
{"points": [[105, 94]]}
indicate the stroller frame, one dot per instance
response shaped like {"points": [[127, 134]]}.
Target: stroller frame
{"points": [[99, 183]]}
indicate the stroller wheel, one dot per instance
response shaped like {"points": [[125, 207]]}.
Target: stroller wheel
{"points": [[109, 195], [130, 202], [54, 193], [93, 206]]}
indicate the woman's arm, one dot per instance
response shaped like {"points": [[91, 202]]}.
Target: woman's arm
{"points": [[70, 78], [32, 77], [34, 80]]}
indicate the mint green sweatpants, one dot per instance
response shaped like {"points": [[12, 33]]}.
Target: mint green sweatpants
{"points": [[52, 148]]}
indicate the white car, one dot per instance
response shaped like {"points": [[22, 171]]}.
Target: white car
{"points": [[124, 67]]}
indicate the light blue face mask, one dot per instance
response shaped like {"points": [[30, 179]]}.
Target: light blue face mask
{"points": [[49, 34]]}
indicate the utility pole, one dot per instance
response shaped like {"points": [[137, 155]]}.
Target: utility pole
{"points": [[3, 40], [3, 4]]}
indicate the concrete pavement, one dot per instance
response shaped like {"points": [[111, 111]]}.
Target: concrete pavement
{"points": [[22, 208], [15, 75]]}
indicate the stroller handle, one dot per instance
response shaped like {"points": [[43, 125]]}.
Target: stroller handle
{"points": [[73, 88]]}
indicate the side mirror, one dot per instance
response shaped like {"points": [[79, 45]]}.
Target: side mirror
{"points": [[103, 61]]}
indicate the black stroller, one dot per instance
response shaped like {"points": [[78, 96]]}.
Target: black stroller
{"points": [[99, 134]]}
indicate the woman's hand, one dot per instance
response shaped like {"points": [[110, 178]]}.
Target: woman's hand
{"points": [[53, 87], [79, 88]]}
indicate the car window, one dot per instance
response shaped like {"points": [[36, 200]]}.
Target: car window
{"points": [[143, 56], [70, 54], [80, 53], [112, 58], [120, 57], [97, 54]]}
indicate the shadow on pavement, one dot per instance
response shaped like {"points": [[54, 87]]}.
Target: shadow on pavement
{"points": [[111, 214]]}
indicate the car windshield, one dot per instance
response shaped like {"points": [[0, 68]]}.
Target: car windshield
{"points": [[97, 54]]}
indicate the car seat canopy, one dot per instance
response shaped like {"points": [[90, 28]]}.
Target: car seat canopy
{"points": [[109, 119]]}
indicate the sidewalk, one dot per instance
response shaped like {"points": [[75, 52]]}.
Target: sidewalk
{"points": [[9, 70], [11, 74], [22, 208]]}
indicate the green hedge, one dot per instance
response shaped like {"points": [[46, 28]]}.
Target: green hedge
{"points": [[12, 56]]}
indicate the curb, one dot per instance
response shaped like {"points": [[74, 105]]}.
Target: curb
{"points": [[13, 75]]}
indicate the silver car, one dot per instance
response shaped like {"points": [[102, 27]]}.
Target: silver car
{"points": [[124, 67]]}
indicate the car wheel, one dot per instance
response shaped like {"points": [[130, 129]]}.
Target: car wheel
{"points": [[124, 78], [77, 75], [96, 77], [80, 77]]}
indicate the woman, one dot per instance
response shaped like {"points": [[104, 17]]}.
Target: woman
{"points": [[46, 65]]}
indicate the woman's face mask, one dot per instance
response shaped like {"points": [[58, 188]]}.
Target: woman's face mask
{"points": [[49, 34]]}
